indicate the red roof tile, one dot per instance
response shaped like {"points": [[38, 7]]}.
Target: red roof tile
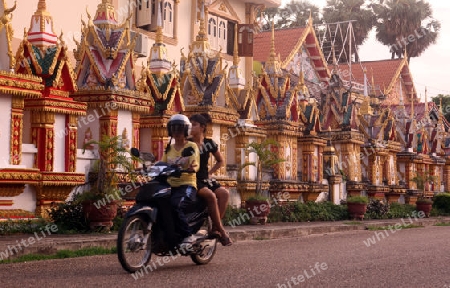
{"points": [[285, 42], [382, 71]]}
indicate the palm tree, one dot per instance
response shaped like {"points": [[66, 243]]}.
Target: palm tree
{"points": [[347, 10], [405, 24]]}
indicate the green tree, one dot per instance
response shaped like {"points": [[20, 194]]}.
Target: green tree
{"points": [[346, 10], [293, 14], [445, 104], [405, 24], [266, 159]]}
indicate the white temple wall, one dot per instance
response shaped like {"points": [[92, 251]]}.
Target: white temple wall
{"points": [[125, 121], [59, 143], [90, 120], [26, 132], [145, 140], [5, 129]]}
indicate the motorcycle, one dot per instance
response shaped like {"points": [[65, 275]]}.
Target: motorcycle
{"points": [[149, 227]]}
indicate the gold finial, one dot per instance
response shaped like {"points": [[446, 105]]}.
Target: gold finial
{"points": [[159, 30], [426, 102], [373, 82], [202, 30], [42, 6], [272, 41], [235, 51], [42, 9], [335, 64], [310, 20]]}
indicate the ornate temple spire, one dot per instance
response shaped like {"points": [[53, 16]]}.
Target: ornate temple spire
{"points": [[426, 103], [201, 45], [366, 91], [273, 65], [236, 79], [157, 61], [401, 91], [373, 85], [105, 15], [335, 64], [41, 32]]}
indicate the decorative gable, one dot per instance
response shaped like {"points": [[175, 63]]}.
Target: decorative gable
{"points": [[223, 9]]}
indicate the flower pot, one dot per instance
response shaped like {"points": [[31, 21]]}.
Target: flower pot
{"points": [[425, 208], [258, 211], [100, 215], [357, 210]]}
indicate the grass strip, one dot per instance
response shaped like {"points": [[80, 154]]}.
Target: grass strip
{"points": [[442, 224], [373, 228], [62, 254]]}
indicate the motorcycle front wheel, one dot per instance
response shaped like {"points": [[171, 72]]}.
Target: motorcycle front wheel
{"points": [[134, 244]]}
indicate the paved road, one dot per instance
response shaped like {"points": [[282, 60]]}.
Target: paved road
{"points": [[417, 257]]}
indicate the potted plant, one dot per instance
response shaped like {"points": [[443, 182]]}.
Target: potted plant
{"points": [[423, 204], [357, 206], [101, 201], [258, 206]]}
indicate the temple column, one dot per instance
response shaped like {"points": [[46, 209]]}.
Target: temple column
{"points": [[223, 149], [136, 118], [447, 175], [42, 136], [71, 143], [108, 124], [16, 133]]}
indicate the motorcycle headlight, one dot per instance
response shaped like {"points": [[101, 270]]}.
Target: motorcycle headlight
{"points": [[155, 171]]}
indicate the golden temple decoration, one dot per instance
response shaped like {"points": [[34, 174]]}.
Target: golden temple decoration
{"points": [[11, 190], [5, 23]]}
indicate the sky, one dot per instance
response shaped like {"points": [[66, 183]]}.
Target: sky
{"points": [[429, 69]]}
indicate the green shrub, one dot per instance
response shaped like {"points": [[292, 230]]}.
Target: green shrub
{"points": [[22, 226], [397, 210], [358, 199], [376, 209], [441, 202], [231, 214], [304, 212], [69, 217]]}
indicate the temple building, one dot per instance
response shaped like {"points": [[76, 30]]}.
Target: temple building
{"points": [[124, 67]]}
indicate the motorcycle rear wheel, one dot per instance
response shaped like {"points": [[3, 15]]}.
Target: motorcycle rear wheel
{"points": [[209, 246], [133, 251]]}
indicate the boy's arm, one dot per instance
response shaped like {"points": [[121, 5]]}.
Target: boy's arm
{"points": [[194, 159]]}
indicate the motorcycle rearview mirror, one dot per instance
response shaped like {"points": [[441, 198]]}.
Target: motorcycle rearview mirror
{"points": [[188, 151], [135, 152], [148, 156]]}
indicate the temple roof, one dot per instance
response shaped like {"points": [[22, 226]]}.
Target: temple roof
{"points": [[285, 41], [419, 111], [41, 31], [105, 53], [288, 42], [385, 73]]}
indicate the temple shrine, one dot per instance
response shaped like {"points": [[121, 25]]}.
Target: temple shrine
{"points": [[343, 129]]}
